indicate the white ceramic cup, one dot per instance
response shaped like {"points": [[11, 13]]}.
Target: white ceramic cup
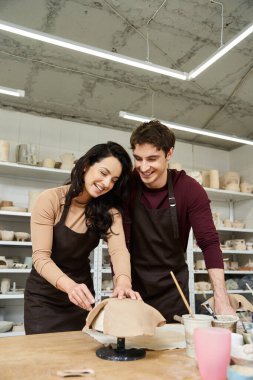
{"points": [[4, 150], [190, 324], [5, 285], [236, 340], [48, 163]]}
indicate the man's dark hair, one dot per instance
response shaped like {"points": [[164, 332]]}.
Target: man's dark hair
{"points": [[155, 133]]}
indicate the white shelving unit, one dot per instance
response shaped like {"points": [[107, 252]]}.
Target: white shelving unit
{"points": [[229, 201], [103, 270], [11, 305]]}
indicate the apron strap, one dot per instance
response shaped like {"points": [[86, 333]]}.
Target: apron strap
{"points": [[173, 207], [64, 214], [172, 203]]}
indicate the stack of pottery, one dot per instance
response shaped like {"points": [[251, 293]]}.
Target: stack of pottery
{"points": [[231, 181], [196, 175], [4, 150], [27, 154]]}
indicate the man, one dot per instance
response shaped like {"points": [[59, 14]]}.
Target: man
{"points": [[164, 205]]}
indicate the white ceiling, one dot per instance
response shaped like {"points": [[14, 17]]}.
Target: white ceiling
{"points": [[182, 33]]}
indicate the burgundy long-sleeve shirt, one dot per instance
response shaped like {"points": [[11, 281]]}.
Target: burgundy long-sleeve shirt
{"points": [[193, 210]]}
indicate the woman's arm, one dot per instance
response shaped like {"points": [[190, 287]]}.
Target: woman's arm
{"points": [[120, 259], [46, 213]]}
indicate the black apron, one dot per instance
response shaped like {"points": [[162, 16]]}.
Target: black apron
{"points": [[156, 250], [48, 309]]}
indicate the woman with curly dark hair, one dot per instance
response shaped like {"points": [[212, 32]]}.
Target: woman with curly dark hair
{"points": [[66, 225]]}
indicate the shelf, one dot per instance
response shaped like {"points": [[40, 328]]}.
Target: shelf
{"points": [[16, 243], [244, 230], [12, 333], [106, 270], [16, 213], [229, 251], [106, 293], [228, 195], [238, 291], [12, 169], [10, 297], [9, 270], [226, 272]]}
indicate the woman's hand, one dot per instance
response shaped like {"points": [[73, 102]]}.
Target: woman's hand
{"points": [[80, 295], [123, 289]]}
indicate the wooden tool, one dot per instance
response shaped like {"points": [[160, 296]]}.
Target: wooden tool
{"points": [[249, 288], [182, 294]]}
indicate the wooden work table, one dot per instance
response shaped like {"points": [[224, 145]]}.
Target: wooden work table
{"points": [[39, 357]]}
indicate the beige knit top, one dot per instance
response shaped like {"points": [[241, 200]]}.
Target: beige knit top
{"points": [[46, 214]]}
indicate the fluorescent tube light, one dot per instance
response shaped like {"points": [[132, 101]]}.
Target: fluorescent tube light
{"points": [[222, 51], [145, 65], [12, 91], [186, 128], [72, 45]]}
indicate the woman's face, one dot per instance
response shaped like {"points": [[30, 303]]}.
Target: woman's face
{"points": [[101, 177]]}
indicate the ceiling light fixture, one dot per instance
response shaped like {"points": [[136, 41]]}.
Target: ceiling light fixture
{"points": [[221, 51], [12, 91], [145, 65], [186, 128], [72, 45]]}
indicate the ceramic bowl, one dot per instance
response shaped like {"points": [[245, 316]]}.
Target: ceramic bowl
{"points": [[14, 209], [22, 236], [243, 355], [5, 326], [7, 235], [226, 321], [237, 372]]}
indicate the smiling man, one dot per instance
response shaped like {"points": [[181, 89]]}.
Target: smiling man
{"points": [[164, 205]]}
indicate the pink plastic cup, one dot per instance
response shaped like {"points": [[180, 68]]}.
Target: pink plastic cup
{"points": [[212, 351]]}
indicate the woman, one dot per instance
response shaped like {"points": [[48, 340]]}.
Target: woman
{"points": [[66, 225]]}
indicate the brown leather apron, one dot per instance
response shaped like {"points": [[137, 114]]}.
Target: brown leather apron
{"points": [[156, 250], [48, 309]]}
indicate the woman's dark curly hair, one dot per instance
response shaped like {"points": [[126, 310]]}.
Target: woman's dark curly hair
{"points": [[97, 214]]}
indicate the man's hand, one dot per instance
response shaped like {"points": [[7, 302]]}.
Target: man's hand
{"points": [[123, 289], [223, 309], [221, 301]]}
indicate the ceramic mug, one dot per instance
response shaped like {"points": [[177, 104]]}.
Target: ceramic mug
{"points": [[5, 285]]}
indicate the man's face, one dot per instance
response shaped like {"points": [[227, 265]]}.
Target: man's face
{"points": [[151, 164]]}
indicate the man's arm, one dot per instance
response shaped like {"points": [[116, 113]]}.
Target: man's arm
{"points": [[208, 240], [221, 300]]}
